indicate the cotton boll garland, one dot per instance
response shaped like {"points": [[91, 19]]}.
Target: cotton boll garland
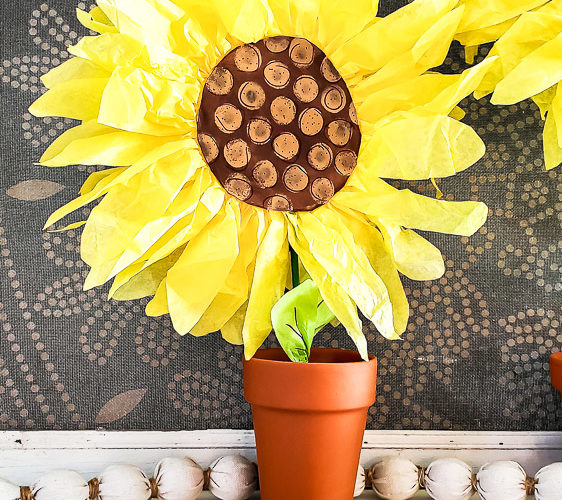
{"points": [[50, 485], [9, 491], [395, 478], [502, 480], [449, 479], [233, 478], [359, 482], [229, 478], [179, 479], [124, 481], [549, 482]]}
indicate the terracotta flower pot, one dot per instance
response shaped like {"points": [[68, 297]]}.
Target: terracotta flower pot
{"points": [[309, 421], [556, 370]]}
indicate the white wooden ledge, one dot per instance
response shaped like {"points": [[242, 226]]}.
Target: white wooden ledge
{"points": [[26, 455]]}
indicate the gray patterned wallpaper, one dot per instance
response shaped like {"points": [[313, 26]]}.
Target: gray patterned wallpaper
{"points": [[474, 357]]}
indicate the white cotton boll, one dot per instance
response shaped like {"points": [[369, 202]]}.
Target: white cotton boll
{"points": [[49, 486], [502, 481], [549, 482], [449, 479], [395, 478], [179, 479], [9, 491], [359, 482], [233, 478], [124, 481]]}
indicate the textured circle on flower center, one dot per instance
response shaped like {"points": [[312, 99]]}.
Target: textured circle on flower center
{"points": [[277, 125]]}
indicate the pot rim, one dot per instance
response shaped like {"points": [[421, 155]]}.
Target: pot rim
{"points": [[319, 387], [315, 350], [556, 359]]}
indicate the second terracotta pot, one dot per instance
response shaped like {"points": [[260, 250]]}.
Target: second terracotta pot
{"points": [[556, 370], [309, 421]]}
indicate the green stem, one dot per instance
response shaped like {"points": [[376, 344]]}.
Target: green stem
{"points": [[295, 268]]}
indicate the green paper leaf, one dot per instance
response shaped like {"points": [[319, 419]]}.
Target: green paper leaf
{"points": [[297, 317]]}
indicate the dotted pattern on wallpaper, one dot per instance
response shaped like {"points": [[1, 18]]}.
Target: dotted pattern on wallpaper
{"points": [[474, 356]]}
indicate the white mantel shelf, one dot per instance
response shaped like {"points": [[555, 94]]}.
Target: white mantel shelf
{"points": [[24, 456]]}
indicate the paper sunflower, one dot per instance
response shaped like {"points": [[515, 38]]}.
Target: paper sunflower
{"points": [[239, 127], [528, 64]]}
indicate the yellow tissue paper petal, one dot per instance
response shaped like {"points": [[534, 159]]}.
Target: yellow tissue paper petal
{"points": [[268, 284], [74, 225], [79, 99], [465, 84], [147, 244], [304, 15], [457, 113], [470, 53], [96, 20], [303, 275], [552, 148], [93, 191], [557, 112], [125, 210], [369, 238], [338, 22], [110, 50], [188, 225], [93, 179], [245, 20], [552, 7], [530, 32], [94, 144], [158, 306], [412, 210], [121, 12], [283, 13], [83, 131], [429, 51], [232, 329], [397, 33], [402, 96], [473, 39], [201, 37], [432, 91], [73, 69], [146, 282], [138, 282], [236, 288], [538, 71], [415, 257], [99, 183], [333, 246], [138, 101], [147, 21], [199, 274], [484, 13], [187, 228], [336, 298], [124, 214], [438, 192], [383, 265], [544, 100], [421, 147], [297, 17]]}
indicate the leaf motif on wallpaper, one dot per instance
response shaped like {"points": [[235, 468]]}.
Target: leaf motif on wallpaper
{"points": [[33, 190], [120, 405]]}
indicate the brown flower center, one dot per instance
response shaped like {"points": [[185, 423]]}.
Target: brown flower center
{"points": [[277, 125]]}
